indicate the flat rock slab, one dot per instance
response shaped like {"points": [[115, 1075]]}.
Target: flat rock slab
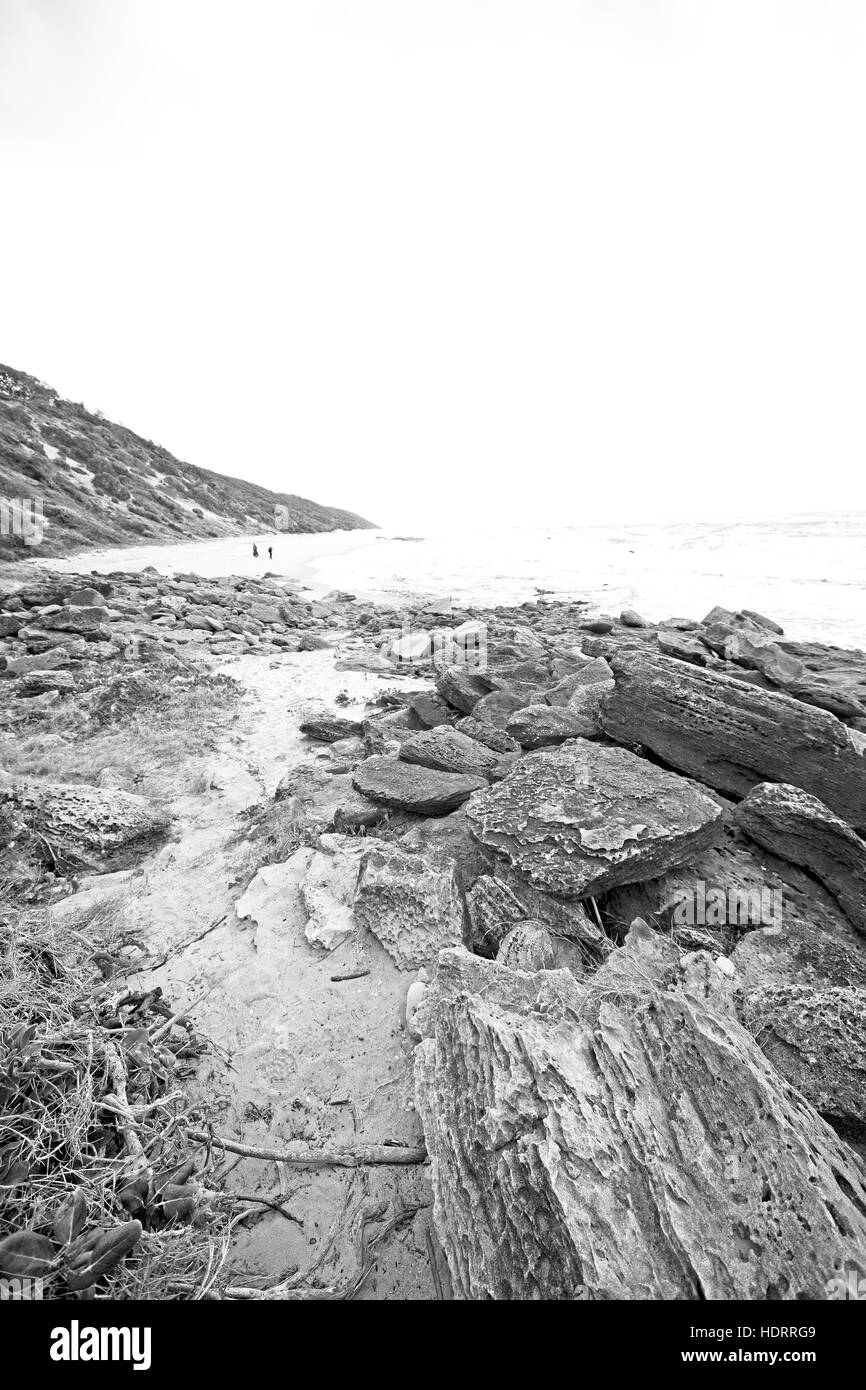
{"points": [[582, 818], [732, 736], [405, 786], [791, 823]]}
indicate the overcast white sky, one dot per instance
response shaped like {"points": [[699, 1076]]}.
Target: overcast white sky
{"points": [[515, 260]]}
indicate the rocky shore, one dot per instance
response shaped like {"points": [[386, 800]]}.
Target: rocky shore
{"points": [[607, 880]]}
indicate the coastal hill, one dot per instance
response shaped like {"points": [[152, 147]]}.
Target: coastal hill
{"points": [[103, 485]]}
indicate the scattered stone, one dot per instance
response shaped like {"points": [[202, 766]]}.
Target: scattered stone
{"points": [[629, 618], [530, 946]]}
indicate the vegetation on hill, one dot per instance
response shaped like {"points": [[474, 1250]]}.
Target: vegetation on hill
{"points": [[103, 485]]}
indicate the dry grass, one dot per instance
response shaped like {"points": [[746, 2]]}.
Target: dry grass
{"points": [[147, 731], [91, 1091]]}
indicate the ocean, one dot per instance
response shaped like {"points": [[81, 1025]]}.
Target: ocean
{"points": [[806, 572]]}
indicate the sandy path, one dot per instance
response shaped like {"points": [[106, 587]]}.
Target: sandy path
{"points": [[298, 1056]]}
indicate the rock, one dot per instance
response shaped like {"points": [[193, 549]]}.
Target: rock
{"points": [[407, 787], [447, 839], [629, 618], [582, 818], [89, 826], [562, 916], [530, 946], [488, 734], [733, 888], [10, 623], [38, 682], [461, 687], [801, 952], [791, 823], [328, 892], [309, 642], [816, 1040], [684, 647], [595, 672], [410, 901], [414, 1000], [87, 598], [430, 709], [448, 750], [330, 728], [763, 622], [538, 726], [88, 622], [356, 813], [623, 1138], [496, 708], [599, 626], [492, 911], [732, 735]]}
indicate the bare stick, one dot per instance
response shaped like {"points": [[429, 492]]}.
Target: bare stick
{"points": [[381, 1154]]}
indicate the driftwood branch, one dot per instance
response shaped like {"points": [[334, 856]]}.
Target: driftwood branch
{"points": [[373, 1154]]}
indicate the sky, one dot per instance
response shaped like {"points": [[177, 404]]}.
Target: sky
{"points": [[452, 262]]}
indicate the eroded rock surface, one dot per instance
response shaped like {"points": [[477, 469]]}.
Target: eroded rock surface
{"points": [[623, 1138], [582, 818]]}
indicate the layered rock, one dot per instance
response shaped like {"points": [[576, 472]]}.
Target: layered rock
{"points": [[582, 818], [732, 735], [448, 750], [791, 823], [623, 1138]]}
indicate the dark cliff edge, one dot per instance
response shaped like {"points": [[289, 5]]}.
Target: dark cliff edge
{"points": [[100, 484]]}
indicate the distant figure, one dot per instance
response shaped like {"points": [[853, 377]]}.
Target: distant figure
{"points": [[270, 552], [255, 552]]}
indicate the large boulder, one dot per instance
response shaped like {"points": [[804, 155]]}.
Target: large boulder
{"points": [[405, 786], [623, 1138], [732, 735], [791, 823], [582, 818]]}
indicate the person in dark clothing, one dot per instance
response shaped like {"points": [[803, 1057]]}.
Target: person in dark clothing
{"points": [[255, 552], [270, 552]]}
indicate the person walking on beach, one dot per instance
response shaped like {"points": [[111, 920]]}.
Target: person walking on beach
{"points": [[270, 552], [255, 552]]}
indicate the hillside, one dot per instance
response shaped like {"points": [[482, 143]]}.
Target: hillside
{"points": [[103, 485]]}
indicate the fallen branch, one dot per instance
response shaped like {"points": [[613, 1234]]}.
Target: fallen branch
{"points": [[350, 975], [379, 1154]]}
